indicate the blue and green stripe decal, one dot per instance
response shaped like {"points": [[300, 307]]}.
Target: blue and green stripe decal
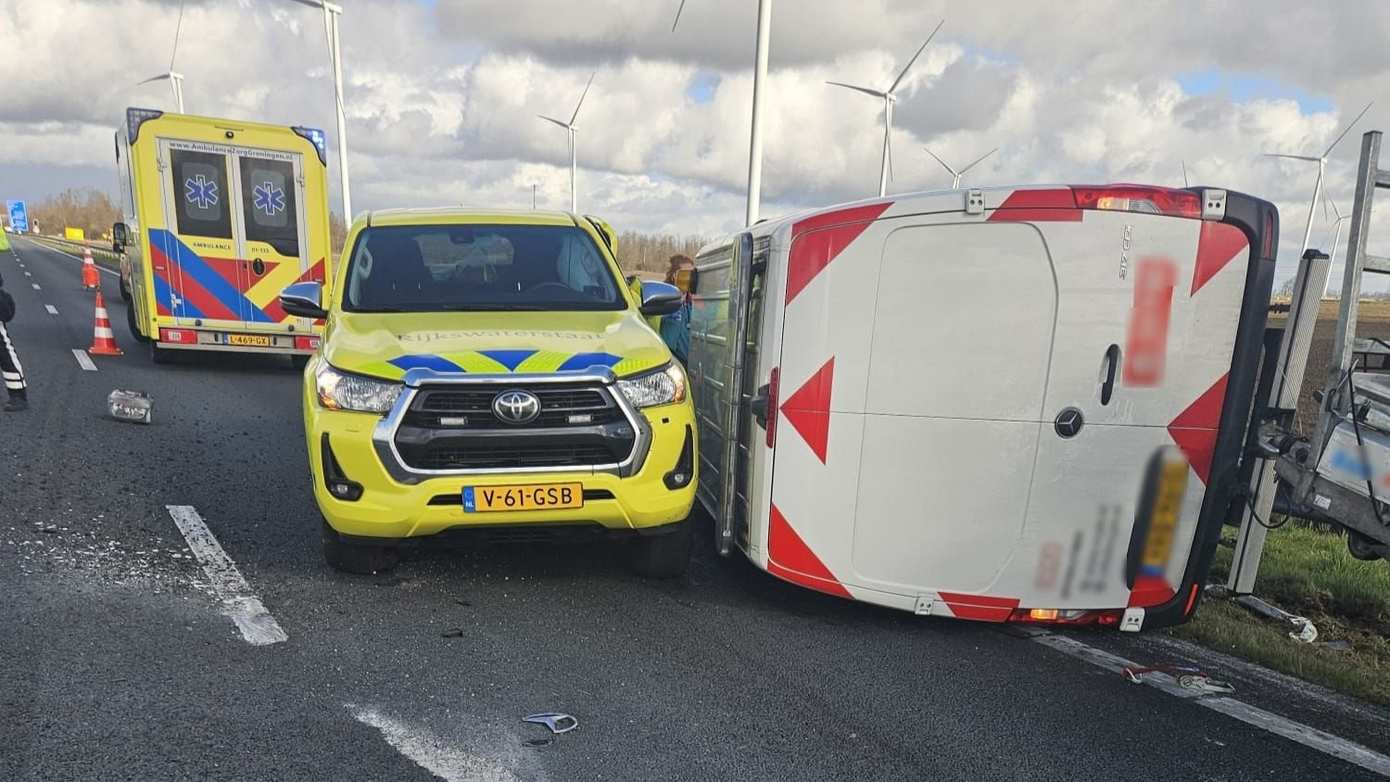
{"points": [[512, 360]]}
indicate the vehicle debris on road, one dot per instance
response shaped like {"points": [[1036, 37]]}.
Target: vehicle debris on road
{"points": [[557, 722], [130, 406]]}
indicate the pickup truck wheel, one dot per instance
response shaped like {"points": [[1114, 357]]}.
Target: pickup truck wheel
{"points": [[663, 555], [358, 558]]}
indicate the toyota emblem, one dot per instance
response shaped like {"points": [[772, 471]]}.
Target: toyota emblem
{"points": [[516, 407]]}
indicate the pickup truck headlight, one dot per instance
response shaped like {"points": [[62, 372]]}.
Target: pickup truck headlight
{"points": [[662, 387], [343, 391]]}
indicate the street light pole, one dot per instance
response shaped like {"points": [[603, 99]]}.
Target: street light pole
{"points": [[331, 14], [755, 141]]}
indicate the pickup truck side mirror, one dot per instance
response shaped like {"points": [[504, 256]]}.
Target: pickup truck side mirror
{"points": [[660, 298], [304, 299]]}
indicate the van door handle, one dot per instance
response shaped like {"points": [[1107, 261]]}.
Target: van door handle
{"points": [[1112, 365], [757, 405]]}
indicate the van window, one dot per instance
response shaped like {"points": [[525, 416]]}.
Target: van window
{"points": [[268, 203], [200, 193], [445, 268]]}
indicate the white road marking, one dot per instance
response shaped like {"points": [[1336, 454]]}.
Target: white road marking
{"points": [[239, 603], [52, 310], [28, 274], [1309, 737], [36, 286], [431, 752], [84, 360]]}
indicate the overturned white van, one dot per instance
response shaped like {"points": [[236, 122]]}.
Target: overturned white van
{"points": [[1011, 404]]}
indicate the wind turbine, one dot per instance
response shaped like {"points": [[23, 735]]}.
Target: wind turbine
{"points": [[956, 175], [1336, 237], [1321, 160], [175, 78], [569, 126], [755, 135], [889, 97]]}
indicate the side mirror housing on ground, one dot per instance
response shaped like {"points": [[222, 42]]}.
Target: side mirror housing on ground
{"points": [[304, 299], [660, 298]]}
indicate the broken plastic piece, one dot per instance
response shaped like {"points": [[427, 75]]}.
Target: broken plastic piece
{"points": [[1203, 683], [129, 406], [557, 722], [1307, 632]]}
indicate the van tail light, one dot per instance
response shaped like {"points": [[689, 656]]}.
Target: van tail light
{"points": [[306, 343], [772, 408], [1139, 198]]}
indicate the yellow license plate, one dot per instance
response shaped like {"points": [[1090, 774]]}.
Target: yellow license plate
{"points": [[1167, 506], [537, 496], [250, 340]]}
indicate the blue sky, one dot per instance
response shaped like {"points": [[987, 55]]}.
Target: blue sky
{"points": [[1244, 87]]}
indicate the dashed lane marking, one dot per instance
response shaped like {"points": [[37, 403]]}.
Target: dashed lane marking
{"points": [[28, 274], [52, 310], [36, 286], [239, 603], [1309, 737], [83, 360]]}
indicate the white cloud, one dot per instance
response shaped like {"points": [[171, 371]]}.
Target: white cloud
{"points": [[442, 99]]}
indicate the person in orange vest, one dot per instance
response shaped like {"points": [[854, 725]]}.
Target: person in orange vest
{"points": [[10, 368]]}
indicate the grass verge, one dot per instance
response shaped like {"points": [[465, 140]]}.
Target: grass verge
{"points": [[1309, 573]]}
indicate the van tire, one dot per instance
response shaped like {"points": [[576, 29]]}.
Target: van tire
{"points": [[160, 355], [361, 559], [663, 555], [1363, 547], [133, 325]]}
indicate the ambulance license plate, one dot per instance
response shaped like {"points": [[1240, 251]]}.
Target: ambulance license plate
{"points": [[538, 496], [250, 340]]}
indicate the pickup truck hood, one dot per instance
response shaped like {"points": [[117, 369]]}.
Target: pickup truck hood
{"points": [[387, 345]]}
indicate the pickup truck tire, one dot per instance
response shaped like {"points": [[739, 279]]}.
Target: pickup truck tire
{"points": [[358, 558], [664, 554]]}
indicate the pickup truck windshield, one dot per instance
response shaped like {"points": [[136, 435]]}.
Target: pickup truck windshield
{"points": [[460, 268]]}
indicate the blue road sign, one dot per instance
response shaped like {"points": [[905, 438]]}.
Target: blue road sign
{"points": [[19, 216]]}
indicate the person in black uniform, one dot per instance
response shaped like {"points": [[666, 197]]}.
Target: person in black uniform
{"points": [[10, 368]]}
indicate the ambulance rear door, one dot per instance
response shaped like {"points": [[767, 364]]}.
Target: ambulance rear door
{"points": [[275, 243]]}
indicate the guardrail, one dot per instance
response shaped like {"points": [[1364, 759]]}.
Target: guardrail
{"points": [[100, 253]]}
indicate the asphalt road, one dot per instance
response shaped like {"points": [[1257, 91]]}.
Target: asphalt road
{"points": [[117, 661]]}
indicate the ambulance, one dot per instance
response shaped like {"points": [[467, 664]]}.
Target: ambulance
{"points": [[218, 217], [1019, 404]]}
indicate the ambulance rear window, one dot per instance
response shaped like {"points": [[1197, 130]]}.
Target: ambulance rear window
{"points": [[268, 204], [200, 182]]}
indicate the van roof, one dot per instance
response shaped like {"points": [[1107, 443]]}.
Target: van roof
{"points": [[460, 215]]}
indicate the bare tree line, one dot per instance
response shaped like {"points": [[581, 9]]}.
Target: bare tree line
{"points": [[87, 208], [652, 252]]}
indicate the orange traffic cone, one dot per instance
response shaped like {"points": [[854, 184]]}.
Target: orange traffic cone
{"points": [[90, 280], [103, 340]]}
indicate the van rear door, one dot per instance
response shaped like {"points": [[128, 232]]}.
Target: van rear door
{"points": [[195, 256], [275, 244], [1151, 300]]}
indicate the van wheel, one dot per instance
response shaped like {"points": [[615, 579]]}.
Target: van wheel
{"points": [[664, 555], [358, 558], [1362, 547], [160, 355], [134, 327]]}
